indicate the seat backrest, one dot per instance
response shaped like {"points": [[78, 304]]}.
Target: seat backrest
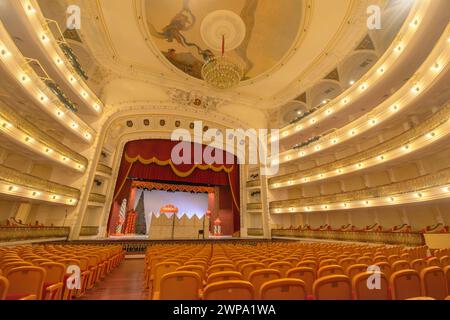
{"points": [[355, 269], [229, 290], [160, 270], [346, 262], [434, 283], [4, 285], [258, 277], [54, 272], [307, 275], [385, 267], [327, 262], [283, 289], [400, 265], [445, 261], [221, 267], [433, 261], [26, 281], [336, 287], [197, 269], [380, 258], [405, 284], [447, 277], [224, 276], [308, 264], [392, 258], [418, 264], [247, 268], [180, 285], [364, 260], [268, 261], [330, 270], [281, 266], [370, 286]]}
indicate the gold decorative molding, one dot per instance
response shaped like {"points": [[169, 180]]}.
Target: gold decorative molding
{"points": [[437, 120], [89, 231], [253, 183], [18, 178], [396, 238], [438, 179], [103, 168], [96, 197], [12, 117], [32, 233], [254, 206]]}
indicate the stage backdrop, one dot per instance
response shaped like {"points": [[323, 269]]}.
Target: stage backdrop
{"points": [[151, 160]]}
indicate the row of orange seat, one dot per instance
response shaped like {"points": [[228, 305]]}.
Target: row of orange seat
{"points": [[295, 270], [42, 272]]}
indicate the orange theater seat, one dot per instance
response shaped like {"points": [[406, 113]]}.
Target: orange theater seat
{"points": [[261, 276], [336, 287], [405, 284], [54, 280], [179, 285], [229, 290], [356, 269], [283, 289], [221, 267], [329, 270], [248, 268], [400, 265], [4, 285], [307, 275], [160, 270], [224, 276], [363, 290], [418, 264], [434, 283], [281, 266], [24, 282]]}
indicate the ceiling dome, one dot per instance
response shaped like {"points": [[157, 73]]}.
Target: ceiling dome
{"points": [[258, 32]]}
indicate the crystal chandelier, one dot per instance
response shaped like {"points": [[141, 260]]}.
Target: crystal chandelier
{"points": [[222, 72]]}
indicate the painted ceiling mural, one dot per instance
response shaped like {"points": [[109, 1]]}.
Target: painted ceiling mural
{"points": [[175, 29]]}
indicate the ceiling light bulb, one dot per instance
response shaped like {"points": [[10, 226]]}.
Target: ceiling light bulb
{"points": [[302, 154], [305, 179], [317, 148], [48, 150], [298, 127], [288, 158], [405, 148], [285, 133], [72, 79], [344, 204], [394, 107], [74, 125], [352, 82], [13, 188], [313, 120], [5, 53], [431, 135], [334, 141], [24, 78], [381, 158], [419, 195], [87, 135], [391, 199], [353, 132], [381, 70], [35, 193], [339, 170], [363, 87], [277, 185], [329, 111]]}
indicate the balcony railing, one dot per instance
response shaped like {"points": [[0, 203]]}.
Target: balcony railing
{"points": [[253, 183], [254, 206], [397, 238], [412, 185], [22, 179], [255, 232], [8, 234]]}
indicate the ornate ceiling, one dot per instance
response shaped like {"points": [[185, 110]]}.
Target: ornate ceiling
{"points": [[269, 30], [286, 46]]}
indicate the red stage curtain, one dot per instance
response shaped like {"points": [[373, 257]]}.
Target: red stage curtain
{"points": [[151, 160]]}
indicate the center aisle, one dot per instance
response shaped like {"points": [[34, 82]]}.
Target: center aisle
{"points": [[124, 283]]}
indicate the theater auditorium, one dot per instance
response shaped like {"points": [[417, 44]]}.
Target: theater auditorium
{"points": [[224, 150]]}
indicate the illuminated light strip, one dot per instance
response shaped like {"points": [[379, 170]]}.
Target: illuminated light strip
{"points": [[425, 139], [402, 99], [374, 75], [25, 140], [426, 195], [35, 194], [36, 89], [54, 52]]}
